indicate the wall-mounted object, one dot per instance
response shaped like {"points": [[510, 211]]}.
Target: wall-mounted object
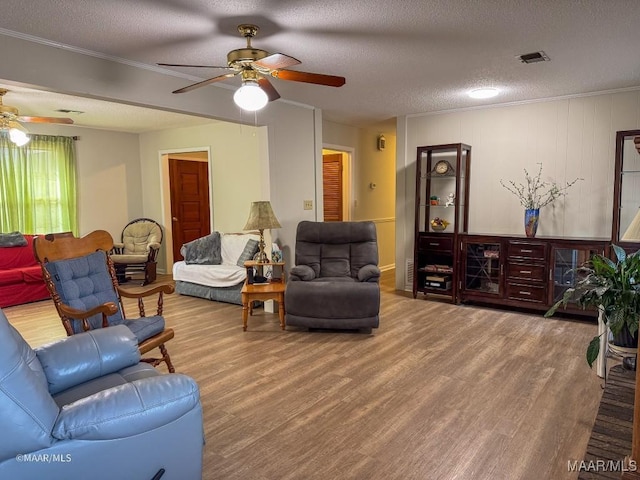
{"points": [[372, 185], [382, 142]]}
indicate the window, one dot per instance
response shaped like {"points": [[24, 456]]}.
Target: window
{"points": [[38, 185]]}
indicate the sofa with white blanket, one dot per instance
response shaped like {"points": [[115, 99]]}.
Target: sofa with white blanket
{"points": [[213, 266]]}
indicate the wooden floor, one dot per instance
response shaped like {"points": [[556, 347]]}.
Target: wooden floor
{"points": [[437, 392]]}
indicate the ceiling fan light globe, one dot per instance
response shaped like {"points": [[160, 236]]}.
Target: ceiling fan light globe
{"points": [[250, 97], [18, 137]]}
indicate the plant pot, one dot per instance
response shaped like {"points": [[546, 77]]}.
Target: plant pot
{"points": [[624, 338], [531, 216]]}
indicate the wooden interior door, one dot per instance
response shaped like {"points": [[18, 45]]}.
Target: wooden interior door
{"points": [[332, 187], [189, 187]]}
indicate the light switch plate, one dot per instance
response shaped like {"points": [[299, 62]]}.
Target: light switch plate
{"points": [[308, 204]]}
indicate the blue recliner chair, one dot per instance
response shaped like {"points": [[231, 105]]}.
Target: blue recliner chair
{"points": [[86, 407]]}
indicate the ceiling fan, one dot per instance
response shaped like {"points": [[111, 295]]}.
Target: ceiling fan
{"points": [[11, 121], [254, 66]]}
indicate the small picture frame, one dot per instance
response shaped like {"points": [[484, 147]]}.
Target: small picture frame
{"points": [[276, 253]]}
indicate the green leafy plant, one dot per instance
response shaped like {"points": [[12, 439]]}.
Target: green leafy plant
{"points": [[536, 193], [614, 287]]}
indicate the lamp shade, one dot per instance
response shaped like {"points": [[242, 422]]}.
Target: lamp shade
{"points": [[261, 217], [632, 234]]}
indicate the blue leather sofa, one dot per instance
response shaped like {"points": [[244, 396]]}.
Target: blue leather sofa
{"points": [[86, 407]]}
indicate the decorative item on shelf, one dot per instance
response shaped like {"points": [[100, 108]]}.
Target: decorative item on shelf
{"points": [[261, 217], [434, 200], [443, 167], [536, 194], [439, 224], [451, 198]]}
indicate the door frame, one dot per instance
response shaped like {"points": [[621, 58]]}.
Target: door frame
{"points": [[348, 187], [165, 195]]}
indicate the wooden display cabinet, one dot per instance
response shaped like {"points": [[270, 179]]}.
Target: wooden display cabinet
{"points": [[528, 273], [442, 192]]}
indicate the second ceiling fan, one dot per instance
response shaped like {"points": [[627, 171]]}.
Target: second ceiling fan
{"points": [[254, 66]]}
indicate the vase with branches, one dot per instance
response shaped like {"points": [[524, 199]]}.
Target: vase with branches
{"points": [[534, 194]]}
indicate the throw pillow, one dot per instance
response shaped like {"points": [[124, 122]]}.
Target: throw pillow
{"points": [[250, 249], [13, 239], [203, 251]]}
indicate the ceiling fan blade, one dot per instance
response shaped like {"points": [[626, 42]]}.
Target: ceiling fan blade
{"points": [[269, 89], [317, 78], [209, 81], [276, 61], [185, 65], [66, 121]]}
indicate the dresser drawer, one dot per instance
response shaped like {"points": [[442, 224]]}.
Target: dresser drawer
{"points": [[444, 244], [524, 250], [526, 293], [523, 271]]}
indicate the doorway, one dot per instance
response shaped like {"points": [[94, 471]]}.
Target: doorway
{"points": [[336, 185], [189, 202]]}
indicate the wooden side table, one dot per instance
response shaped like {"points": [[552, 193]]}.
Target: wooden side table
{"points": [[270, 291]]}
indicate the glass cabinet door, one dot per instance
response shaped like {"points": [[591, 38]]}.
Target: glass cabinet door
{"points": [[626, 205], [483, 267], [566, 267]]}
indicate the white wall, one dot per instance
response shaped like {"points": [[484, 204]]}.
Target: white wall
{"points": [[292, 158], [108, 175], [236, 172], [572, 137]]}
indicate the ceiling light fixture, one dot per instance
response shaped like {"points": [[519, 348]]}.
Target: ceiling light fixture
{"points": [[481, 93], [16, 132], [250, 96]]}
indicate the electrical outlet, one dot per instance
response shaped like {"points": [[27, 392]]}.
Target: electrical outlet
{"points": [[308, 204]]}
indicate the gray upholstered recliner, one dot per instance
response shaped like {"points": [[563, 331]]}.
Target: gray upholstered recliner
{"points": [[85, 407], [335, 283]]}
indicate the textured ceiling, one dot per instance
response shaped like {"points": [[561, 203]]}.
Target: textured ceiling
{"points": [[398, 58], [89, 112]]}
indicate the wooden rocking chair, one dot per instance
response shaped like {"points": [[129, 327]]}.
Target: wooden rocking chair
{"points": [[82, 281]]}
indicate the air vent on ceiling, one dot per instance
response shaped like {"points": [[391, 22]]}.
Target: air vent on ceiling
{"points": [[66, 110], [534, 57]]}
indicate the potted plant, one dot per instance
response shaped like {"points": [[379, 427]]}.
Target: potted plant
{"points": [[614, 288]]}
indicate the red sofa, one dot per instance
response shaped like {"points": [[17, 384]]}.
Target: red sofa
{"points": [[20, 276]]}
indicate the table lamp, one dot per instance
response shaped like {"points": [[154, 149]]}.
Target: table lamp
{"points": [[261, 216]]}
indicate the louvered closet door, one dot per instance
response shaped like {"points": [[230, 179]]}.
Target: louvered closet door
{"points": [[332, 187]]}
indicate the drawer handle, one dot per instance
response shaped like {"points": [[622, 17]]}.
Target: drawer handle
{"points": [[525, 271], [524, 293], [434, 244], [523, 250]]}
